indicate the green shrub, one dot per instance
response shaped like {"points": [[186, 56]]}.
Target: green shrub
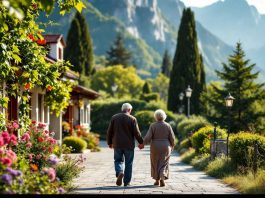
{"points": [[68, 170], [221, 167], [150, 97], [144, 118], [241, 147], [188, 156], [92, 140], [200, 162], [186, 143], [191, 124], [76, 143], [201, 139]]}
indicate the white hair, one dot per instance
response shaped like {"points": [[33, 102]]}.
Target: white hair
{"points": [[126, 106], [160, 115]]}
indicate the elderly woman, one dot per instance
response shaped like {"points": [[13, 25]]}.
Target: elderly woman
{"points": [[162, 140]]}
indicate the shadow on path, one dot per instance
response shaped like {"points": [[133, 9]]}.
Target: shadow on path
{"points": [[117, 187]]}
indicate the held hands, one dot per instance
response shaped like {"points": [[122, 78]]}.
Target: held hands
{"points": [[110, 146], [141, 146]]}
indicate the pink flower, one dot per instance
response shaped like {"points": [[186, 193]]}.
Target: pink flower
{"points": [[51, 173], [2, 151], [12, 155], [38, 156], [13, 140], [6, 137], [28, 145], [41, 125], [30, 157], [25, 137], [6, 161], [40, 139], [2, 142], [15, 125]]}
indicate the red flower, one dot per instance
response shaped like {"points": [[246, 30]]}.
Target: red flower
{"points": [[40, 139], [49, 87], [27, 86], [41, 42], [6, 161], [2, 142], [13, 140]]}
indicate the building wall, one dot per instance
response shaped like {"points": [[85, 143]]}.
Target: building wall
{"points": [[54, 50]]}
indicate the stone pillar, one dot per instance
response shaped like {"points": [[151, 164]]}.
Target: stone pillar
{"points": [[56, 127], [218, 147]]}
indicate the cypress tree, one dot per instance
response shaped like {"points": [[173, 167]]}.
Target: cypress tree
{"points": [[166, 64], [118, 54], [146, 88], [74, 49], [86, 44], [238, 80], [188, 66]]}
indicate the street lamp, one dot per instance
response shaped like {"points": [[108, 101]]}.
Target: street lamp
{"points": [[181, 97], [188, 95], [114, 88], [229, 100]]}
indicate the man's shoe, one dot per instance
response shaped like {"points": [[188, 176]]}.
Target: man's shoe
{"points": [[127, 184], [162, 183], [119, 179]]}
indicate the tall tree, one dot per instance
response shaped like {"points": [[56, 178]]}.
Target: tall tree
{"points": [[79, 48], [239, 80], [146, 88], [74, 49], [166, 64], [86, 44], [188, 68], [118, 54]]}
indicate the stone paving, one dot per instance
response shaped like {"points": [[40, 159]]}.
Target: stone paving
{"points": [[99, 177]]}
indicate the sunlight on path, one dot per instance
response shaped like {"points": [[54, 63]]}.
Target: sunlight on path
{"points": [[99, 177]]}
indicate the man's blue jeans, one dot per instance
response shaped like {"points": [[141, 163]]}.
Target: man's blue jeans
{"points": [[119, 156]]}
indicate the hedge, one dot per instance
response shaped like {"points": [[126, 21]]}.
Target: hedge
{"points": [[201, 139], [77, 144], [241, 147]]}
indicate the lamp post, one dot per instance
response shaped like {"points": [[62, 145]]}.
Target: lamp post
{"points": [[228, 103], [181, 97], [188, 95], [114, 88]]}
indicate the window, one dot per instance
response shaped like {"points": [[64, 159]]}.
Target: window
{"points": [[60, 53]]}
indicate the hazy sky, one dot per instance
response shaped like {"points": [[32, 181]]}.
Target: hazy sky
{"points": [[260, 4]]}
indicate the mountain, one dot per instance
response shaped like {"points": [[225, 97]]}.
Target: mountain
{"points": [[148, 27], [233, 21]]}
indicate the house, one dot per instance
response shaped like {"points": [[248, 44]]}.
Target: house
{"points": [[78, 111]]}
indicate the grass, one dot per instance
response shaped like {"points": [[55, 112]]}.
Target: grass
{"points": [[200, 162], [188, 156], [247, 183]]}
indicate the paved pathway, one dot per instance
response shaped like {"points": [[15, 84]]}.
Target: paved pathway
{"points": [[99, 177]]}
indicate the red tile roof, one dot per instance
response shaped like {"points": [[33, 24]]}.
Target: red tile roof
{"points": [[54, 38]]}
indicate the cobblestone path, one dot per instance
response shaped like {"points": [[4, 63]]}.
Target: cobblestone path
{"points": [[99, 177]]}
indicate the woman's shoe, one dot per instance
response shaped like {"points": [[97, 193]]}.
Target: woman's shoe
{"points": [[156, 183], [162, 183]]}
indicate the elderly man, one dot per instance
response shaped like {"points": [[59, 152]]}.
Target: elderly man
{"points": [[121, 134]]}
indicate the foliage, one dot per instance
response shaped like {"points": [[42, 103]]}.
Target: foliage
{"points": [[241, 147], [160, 85], [150, 97], [145, 119], [146, 88], [239, 79], [92, 140], [77, 144], [36, 145], [190, 125], [69, 169], [248, 183], [118, 54], [79, 48], [166, 64], [128, 82], [188, 156], [187, 62], [200, 162], [221, 167], [184, 144], [201, 138]]}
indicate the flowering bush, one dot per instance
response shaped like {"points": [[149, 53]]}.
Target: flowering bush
{"points": [[27, 165], [36, 144]]}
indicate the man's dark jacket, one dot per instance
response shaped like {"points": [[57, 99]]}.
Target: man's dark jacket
{"points": [[123, 128]]}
